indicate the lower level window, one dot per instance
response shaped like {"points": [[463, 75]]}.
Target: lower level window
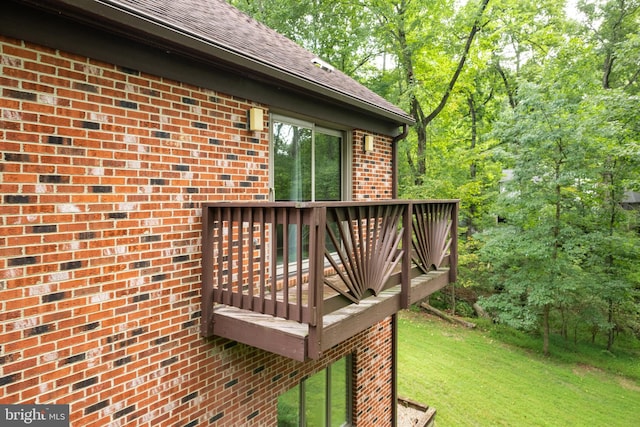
{"points": [[324, 399]]}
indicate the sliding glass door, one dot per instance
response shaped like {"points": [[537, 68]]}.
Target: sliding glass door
{"points": [[307, 162], [307, 166]]}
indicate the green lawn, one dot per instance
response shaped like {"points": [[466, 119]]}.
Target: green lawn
{"points": [[475, 379]]}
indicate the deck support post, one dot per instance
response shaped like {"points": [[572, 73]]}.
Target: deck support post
{"points": [[407, 224], [206, 315], [317, 229], [453, 254]]}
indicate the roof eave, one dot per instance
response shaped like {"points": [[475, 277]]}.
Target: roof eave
{"points": [[142, 28]]}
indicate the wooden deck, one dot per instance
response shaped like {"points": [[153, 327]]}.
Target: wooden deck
{"points": [[297, 279], [290, 338]]}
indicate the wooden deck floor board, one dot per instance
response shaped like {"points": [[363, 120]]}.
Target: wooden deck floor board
{"points": [[289, 338]]}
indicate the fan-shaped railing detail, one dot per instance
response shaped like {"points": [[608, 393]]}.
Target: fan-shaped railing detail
{"points": [[364, 247], [305, 262], [432, 237]]}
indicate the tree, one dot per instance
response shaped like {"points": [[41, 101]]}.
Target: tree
{"points": [[612, 27], [573, 146], [338, 32], [609, 121], [404, 30], [508, 85], [540, 249]]}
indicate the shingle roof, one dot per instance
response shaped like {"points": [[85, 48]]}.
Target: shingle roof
{"points": [[216, 26], [632, 197]]}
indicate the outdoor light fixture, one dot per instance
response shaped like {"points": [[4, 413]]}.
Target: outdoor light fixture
{"points": [[256, 119], [368, 143]]}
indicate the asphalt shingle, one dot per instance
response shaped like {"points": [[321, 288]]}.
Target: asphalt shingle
{"points": [[218, 23]]}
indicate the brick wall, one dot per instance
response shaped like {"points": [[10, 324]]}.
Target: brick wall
{"points": [[102, 175], [372, 175]]}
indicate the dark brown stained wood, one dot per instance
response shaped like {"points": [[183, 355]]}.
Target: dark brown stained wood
{"points": [[273, 334], [432, 230], [348, 321], [318, 223], [367, 247], [425, 285], [294, 340], [299, 301], [453, 257], [206, 322]]}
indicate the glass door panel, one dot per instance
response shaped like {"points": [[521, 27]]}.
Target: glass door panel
{"points": [[289, 408], [338, 393], [328, 167], [292, 163], [307, 166], [315, 403], [321, 400]]}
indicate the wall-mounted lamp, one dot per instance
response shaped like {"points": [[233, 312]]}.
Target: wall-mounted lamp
{"points": [[256, 119], [367, 144]]}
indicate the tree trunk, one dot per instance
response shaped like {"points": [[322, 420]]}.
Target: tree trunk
{"points": [[453, 299], [606, 70], [446, 317], [565, 327], [471, 228], [419, 165], [480, 311], [507, 86], [610, 335], [545, 327]]}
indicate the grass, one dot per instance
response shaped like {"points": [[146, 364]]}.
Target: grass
{"points": [[486, 378]]}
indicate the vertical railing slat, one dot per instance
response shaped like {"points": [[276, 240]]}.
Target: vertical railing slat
{"points": [[221, 251], [248, 301], [263, 258], [285, 257], [273, 283], [453, 250], [206, 315], [229, 291], [407, 221], [299, 259], [237, 290], [245, 266]]}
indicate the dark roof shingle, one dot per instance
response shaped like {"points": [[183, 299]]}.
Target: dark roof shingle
{"points": [[217, 24]]}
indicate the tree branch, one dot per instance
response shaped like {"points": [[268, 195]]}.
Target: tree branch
{"points": [[445, 97]]}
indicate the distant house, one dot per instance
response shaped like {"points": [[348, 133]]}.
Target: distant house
{"points": [[631, 200], [199, 223]]}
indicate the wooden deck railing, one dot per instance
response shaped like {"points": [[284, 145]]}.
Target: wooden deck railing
{"points": [[284, 259]]}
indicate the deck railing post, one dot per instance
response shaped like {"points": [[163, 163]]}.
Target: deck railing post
{"points": [[206, 317], [247, 263], [453, 254], [317, 231], [407, 224]]}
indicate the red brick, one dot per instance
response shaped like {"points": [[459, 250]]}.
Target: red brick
{"points": [[126, 155]]}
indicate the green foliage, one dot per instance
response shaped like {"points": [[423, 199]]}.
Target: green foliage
{"points": [[563, 208], [288, 404], [552, 99], [338, 32], [439, 300], [464, 309]]}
